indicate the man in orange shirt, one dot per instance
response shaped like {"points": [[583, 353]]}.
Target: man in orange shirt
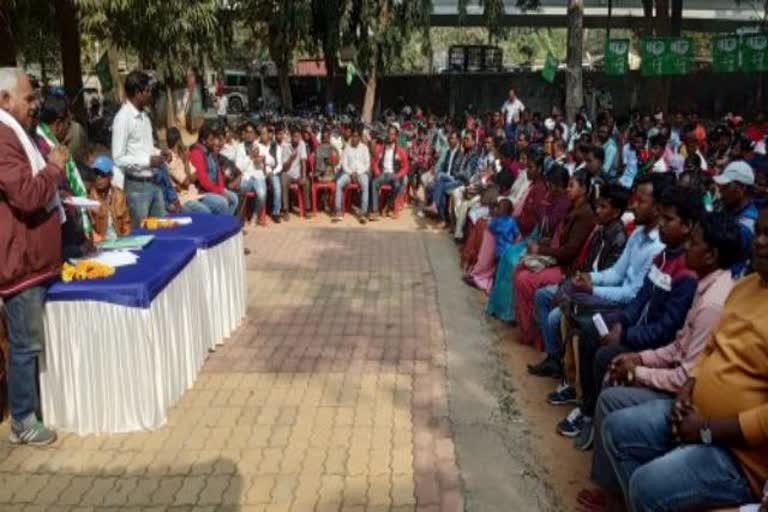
{"points": [[708, 447]]}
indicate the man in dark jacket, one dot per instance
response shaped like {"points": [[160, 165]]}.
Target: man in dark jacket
{"points": [[30, 242]]}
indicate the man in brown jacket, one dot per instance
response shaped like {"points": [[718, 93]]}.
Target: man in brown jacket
{"points": [[30, 247], [112, 219]]}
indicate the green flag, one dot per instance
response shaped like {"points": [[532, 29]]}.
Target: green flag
{"points": [[667, 56], [350, 73], [103, 73], [725, 53], [616, 57], [550, 68], [754, 53]]}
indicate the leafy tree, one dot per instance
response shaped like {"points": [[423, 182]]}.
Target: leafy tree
{"points": [[574, 89], [7, 39], [378, 29], [169, 36], [328, 17], [282, 26]]}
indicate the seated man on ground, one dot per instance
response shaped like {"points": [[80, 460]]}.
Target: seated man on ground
{"points": [[736, 184], [651, 320], [708, 447], [203, 157], [390, 166], [355, 168], [295, 173], [661, 373]]}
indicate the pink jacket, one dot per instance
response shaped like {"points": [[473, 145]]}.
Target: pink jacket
{"points": [[667, 368]]}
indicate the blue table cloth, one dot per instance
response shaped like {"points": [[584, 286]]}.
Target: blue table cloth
{"points": [[206, 230], [133, 285]]}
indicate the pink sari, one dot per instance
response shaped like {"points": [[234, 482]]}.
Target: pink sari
{"points": [[483, 271]]}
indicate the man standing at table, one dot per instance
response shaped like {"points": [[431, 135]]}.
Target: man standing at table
{"points": [[135, 155], [30, 247]]}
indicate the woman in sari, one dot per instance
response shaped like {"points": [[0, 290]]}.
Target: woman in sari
{"points": [[554, 258], [545, 207]]}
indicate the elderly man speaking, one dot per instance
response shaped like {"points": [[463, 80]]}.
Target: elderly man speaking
{"points": [[30, 247]]}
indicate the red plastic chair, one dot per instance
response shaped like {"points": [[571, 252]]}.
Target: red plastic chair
{"points": [[348, 190], [296, 189], [317, 186], [262, 210], [399, 200]]}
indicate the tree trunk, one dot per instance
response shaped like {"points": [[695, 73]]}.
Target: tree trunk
{"points": [[66, 12], [7, 39], [574, 92], [286, 98], [114, 70], [170, 106], [330, 77], [369, 101]]}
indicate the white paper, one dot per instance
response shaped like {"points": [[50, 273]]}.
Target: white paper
{"points": [[602, 329], [182, 221], [82, 202], [114, 258]]}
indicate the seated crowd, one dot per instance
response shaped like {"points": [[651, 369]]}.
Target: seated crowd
{"points": [[641, 273], [633, 252]]}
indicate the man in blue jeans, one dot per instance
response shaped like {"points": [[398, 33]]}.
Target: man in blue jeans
{"points": [[30, 217], [134, 151]]}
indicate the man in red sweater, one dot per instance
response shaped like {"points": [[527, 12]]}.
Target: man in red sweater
{"points": [[30, 247], [204, 158], [390, 166]]}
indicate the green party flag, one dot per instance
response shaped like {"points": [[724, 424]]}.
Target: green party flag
{"points": [[725, 53], [350, 73], [667, 56], [754, 52], [74, 180], [550, 68], [616, 57], [103, 73]]}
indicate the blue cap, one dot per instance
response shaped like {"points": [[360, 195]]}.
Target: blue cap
{"points": [[103, 165]]}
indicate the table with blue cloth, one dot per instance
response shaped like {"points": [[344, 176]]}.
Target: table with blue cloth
{"points": [[121, 351]]}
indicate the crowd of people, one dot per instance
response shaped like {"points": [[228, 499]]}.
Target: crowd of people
{"points": [[633, 252]]}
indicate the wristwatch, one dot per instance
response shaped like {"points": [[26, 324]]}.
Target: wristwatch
{"points": [[706, 434]]}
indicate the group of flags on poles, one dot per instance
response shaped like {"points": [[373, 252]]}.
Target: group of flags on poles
{"points": [[669, 56]]}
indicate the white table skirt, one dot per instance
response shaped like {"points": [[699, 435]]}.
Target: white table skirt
{"points": [[224, 271], [109, 368]]}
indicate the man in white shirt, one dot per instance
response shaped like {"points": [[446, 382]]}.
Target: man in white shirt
{"points": [[134, 152], [355, 167], [295, 172], [512, 108], [251, 159], [222, 105]]}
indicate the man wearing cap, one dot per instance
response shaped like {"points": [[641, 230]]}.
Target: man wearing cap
{"points": [[735, 184], [112, 219], [30, 247]]}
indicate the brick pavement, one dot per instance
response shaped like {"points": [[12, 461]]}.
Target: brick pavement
{"points": [[331, 397]]}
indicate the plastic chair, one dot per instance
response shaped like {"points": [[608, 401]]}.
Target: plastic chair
{"points": [[296, 189], [348, 190], [262, 211], [398, 203]]}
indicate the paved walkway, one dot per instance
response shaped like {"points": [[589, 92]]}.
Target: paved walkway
{"points": [[333, 396]]}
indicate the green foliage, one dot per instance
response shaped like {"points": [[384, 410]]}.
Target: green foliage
{"points": [[36, 33], [169, 35]]}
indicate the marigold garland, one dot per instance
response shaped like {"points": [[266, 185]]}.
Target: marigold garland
{"points": [[153, 223], [85, 269]]}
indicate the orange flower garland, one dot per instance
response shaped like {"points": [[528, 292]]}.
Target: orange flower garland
{"points": [[85, 269], [153, 223]]}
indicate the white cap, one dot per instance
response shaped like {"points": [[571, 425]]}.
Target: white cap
{"points": [[738, 171]]}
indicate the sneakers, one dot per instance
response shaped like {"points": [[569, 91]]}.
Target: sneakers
{"points": [[420, 214], [572, 425], [564, 394], [587, 435], [276, 218], [549, 367], [32, 432], [336, 217]]}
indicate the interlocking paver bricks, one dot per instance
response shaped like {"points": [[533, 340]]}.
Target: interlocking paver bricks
{"points": [[331, 396]]}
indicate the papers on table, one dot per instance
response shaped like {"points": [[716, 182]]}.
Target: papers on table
{"points": [[114, 258], [182, 221], [125, 243], [82, 202]]}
